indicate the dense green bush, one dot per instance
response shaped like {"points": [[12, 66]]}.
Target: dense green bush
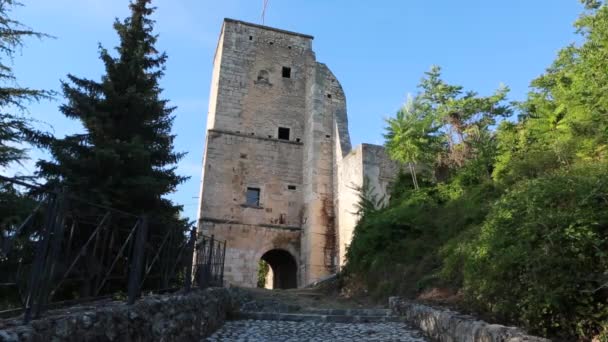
{"points": [[542, 254], [402, 241], [513, 214], [535, 254]]}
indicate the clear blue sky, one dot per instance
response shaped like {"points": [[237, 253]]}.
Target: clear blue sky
{"points": [[378, 50]]}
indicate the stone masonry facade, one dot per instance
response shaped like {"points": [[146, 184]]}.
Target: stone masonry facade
{"points": [[278, 169]]}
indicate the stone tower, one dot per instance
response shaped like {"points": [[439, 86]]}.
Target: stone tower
{"points": [[278, 170]]}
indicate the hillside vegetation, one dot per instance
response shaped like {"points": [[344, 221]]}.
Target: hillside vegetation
{"points": [[510, 205]]}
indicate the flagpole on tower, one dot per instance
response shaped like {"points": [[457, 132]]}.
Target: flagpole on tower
{"points": [[264, 9]]}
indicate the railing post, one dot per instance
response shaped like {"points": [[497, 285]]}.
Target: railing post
{"points": [[223, 262], [54, 249], [189, 261], [34, 286], [137, 261], [46, 255], [199, 267], [208, 271]]}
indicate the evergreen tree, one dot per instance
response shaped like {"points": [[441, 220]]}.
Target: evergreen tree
{"points": [[13, 98], [14, 121], [125, 156], [15, 125]]}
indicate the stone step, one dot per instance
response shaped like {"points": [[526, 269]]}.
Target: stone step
{"points": [[349, 312], [308, 294], [307, 317], [270, 306]]}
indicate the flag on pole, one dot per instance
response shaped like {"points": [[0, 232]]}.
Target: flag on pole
{"points": [[264, 10]]}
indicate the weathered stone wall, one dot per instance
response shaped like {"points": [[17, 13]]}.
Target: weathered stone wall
{"points": [[250, 100], [236, 161], [350, 175], [252, 96], [245, 245], [303, 181], [177, 317], [369, 162], [379, 170], [447, 326], [326, 107]]}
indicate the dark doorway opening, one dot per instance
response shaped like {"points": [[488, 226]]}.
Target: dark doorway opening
{"points": [[282, 272]]}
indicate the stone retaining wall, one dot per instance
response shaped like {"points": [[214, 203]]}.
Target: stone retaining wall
{"points": [[449, 326], [174, 317]]}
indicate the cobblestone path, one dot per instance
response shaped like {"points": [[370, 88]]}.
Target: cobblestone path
{"points": [[262, 330]]}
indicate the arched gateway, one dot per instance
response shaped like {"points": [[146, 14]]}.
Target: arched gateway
{"points": [[278, 170], [283, 269]]}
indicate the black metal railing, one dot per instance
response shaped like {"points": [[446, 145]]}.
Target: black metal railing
{"points": [[209, 266], [69, 250]]}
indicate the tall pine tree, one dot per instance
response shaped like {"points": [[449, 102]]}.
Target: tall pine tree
{"points": [[13, 98], [15, 124], [125, 156]]}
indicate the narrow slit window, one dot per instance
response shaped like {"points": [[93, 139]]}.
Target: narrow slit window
{"points": [[283, 133], [291, 187], [253, 197], [286, 72]]}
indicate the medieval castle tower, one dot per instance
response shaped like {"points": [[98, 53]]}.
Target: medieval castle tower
{"points": [[278, 171]]}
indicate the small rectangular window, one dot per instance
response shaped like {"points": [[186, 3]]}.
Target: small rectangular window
{"points": [[283, 133], [291, 187], [253, 197], [286, 72]]}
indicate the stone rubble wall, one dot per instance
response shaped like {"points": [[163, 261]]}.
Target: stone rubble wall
{"points": [[174, 317], [450, 326]]}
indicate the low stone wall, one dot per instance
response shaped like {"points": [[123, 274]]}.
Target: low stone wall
{"points": [[172, 317], [450, 326]]}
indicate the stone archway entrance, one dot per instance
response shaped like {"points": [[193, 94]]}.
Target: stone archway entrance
{"points": [[283, 269]]}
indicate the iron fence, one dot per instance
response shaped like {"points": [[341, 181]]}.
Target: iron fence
{"points": [[69, 250], [209, 266]]}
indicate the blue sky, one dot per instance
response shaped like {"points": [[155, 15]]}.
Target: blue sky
{"points": [[378, 49]]}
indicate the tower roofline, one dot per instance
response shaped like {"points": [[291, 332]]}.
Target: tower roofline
{"points": [[268, 28]]}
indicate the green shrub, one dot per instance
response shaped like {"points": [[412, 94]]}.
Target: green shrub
{"points": [[401, 243], [541, 255], [263, 269]]}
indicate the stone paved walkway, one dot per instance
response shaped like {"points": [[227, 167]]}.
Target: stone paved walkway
{"points": [[258, 330]]}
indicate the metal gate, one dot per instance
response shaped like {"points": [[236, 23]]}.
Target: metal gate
{"points": [[209, 265]]}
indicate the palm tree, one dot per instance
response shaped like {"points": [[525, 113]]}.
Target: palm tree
{"points": [[409, 136]]}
